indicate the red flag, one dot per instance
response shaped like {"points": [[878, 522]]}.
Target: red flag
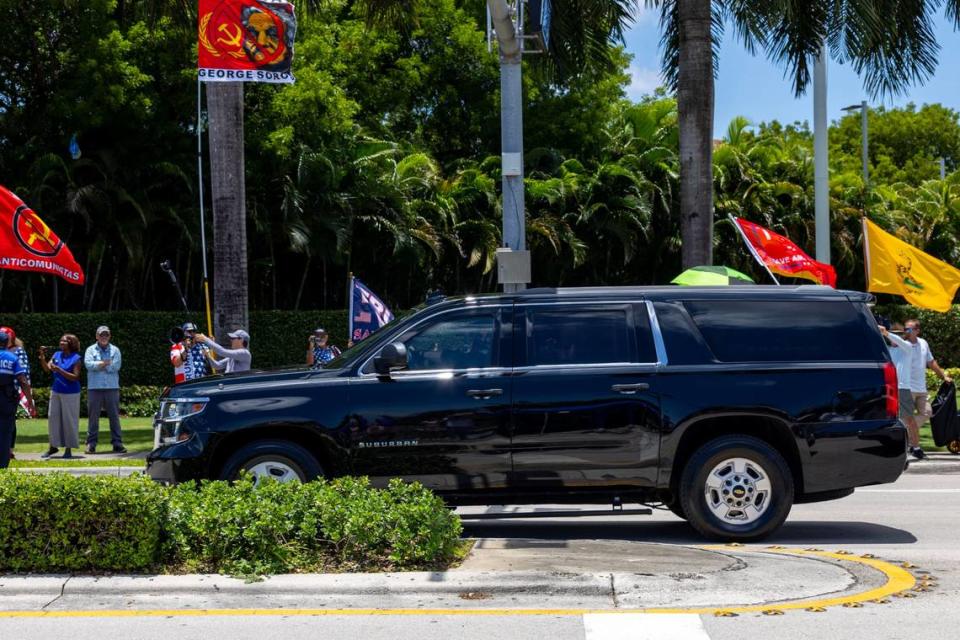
{"points": [[245, 40], [28, 244], [782, 256]]}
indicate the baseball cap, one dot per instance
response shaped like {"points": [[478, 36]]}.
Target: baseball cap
{"points": [[320, 330], [189, 326], [239, 333], [103, 329]]}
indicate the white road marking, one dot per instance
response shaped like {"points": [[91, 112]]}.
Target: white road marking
{"points": [[908, 490], [643, 626]]}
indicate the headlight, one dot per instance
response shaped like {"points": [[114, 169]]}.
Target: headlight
{"points": [[177, 409], [172, 413]]}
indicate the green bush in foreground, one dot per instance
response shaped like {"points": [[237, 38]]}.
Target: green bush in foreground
{"points": [[59, 522], [342, 524]]}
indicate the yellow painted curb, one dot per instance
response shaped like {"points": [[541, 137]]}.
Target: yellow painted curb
{"points": [[898, 580]]}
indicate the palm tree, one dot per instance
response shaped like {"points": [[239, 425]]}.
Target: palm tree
{"points": [[890, 43]]}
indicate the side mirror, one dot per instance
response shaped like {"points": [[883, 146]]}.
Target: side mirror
{"points": [[393, 356]]}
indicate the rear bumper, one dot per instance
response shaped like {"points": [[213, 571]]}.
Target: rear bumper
{"points": [[842, 456]]}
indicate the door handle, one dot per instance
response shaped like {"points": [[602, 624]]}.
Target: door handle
{"points": [[483, 394], [630, 389]]}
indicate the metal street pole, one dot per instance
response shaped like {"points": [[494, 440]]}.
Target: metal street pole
{"points": [[511, 141], [863, 151], [864, 144], [821, 175], [943, 168]]}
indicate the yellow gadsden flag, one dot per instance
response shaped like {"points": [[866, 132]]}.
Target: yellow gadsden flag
{"points": [[893, 266]]}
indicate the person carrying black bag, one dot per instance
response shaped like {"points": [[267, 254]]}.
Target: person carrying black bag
{"points": [[10, 371]]}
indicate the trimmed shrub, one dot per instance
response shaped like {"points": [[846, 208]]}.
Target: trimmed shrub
{"points": [[277, 527], [277, 338], [136, 401], [58, 522]]}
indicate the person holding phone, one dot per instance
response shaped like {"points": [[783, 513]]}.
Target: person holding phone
{"points": [[63, 417], [319, 353]]}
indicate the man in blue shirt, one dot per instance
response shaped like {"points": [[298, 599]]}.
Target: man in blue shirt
{"points": [[11, 371], [102, 361]]}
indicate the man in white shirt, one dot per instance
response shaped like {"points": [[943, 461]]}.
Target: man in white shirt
{"points": [[902, 353], [921, 359]]}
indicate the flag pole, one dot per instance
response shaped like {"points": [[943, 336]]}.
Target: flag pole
{"points": [[349, 308], [750, 247], [866, 253], [203, 232]]}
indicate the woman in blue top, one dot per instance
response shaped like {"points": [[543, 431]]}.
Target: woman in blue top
{"points": [[63, 417]]}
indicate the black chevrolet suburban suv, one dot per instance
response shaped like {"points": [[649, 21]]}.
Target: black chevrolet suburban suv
{"points": [[726, 404]]}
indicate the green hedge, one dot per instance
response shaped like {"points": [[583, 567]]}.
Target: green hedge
{"points": [[941, 330], [57, 522], [136, 401], [277, 338]]}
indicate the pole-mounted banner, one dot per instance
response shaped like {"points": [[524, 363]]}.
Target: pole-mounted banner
{"points": [[245, 41]]}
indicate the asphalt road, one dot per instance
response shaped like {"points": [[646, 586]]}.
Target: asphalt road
{"points": [[916, 520]]}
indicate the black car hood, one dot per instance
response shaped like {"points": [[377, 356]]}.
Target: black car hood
{"points": [[212, 385]]}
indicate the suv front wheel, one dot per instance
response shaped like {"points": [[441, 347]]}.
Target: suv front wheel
{"points": [[281, 461], [736, 488]]}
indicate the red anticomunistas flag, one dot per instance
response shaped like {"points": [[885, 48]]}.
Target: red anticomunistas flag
{"points": [[28, 244], [782, 256], [245, 40]]}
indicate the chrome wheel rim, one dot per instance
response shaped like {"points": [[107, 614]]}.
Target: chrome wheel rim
{"points": [[738, 491], [278, 471]]}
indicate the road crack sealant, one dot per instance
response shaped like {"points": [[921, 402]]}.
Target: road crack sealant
{"points": [[63, 588]]}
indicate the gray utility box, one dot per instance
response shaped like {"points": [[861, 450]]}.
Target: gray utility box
{"points": [[513, 267]]}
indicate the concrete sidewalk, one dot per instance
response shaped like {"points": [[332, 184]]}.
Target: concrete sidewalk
{"points": [[656, 576]]}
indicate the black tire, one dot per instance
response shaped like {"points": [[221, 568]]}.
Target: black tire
{"points": [[284, 455], [774, 506]]}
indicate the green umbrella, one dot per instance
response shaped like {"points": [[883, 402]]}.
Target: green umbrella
{"points": [[711, 276]]}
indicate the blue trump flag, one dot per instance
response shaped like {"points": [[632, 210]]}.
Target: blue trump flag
{"points": [[367, 311]]}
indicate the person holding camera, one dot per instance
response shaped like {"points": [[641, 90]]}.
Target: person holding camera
{"points": [[102, 361], [235, 359], [189, 357], [319, 353], [12, 374], [63, 417]]}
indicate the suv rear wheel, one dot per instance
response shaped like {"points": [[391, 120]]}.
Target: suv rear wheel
{"points": [[736, 488], [281, 461]]}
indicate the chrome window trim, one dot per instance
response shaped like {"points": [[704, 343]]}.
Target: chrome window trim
{"points": [[658, 342], [361, 374], [640, 367], [439, 374], [659, 345]]}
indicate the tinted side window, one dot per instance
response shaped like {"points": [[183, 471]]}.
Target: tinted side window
{"points": [[777, 330], [578, 335], [464, 342], [680, 336]]}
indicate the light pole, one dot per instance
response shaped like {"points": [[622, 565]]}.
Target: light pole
{"points": [[863, 142], [821, 172]]}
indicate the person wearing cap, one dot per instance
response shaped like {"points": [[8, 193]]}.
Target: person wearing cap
{"points": [[11, 374], [102, 361], [190, 358], [319, 353], [235, 359]]}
